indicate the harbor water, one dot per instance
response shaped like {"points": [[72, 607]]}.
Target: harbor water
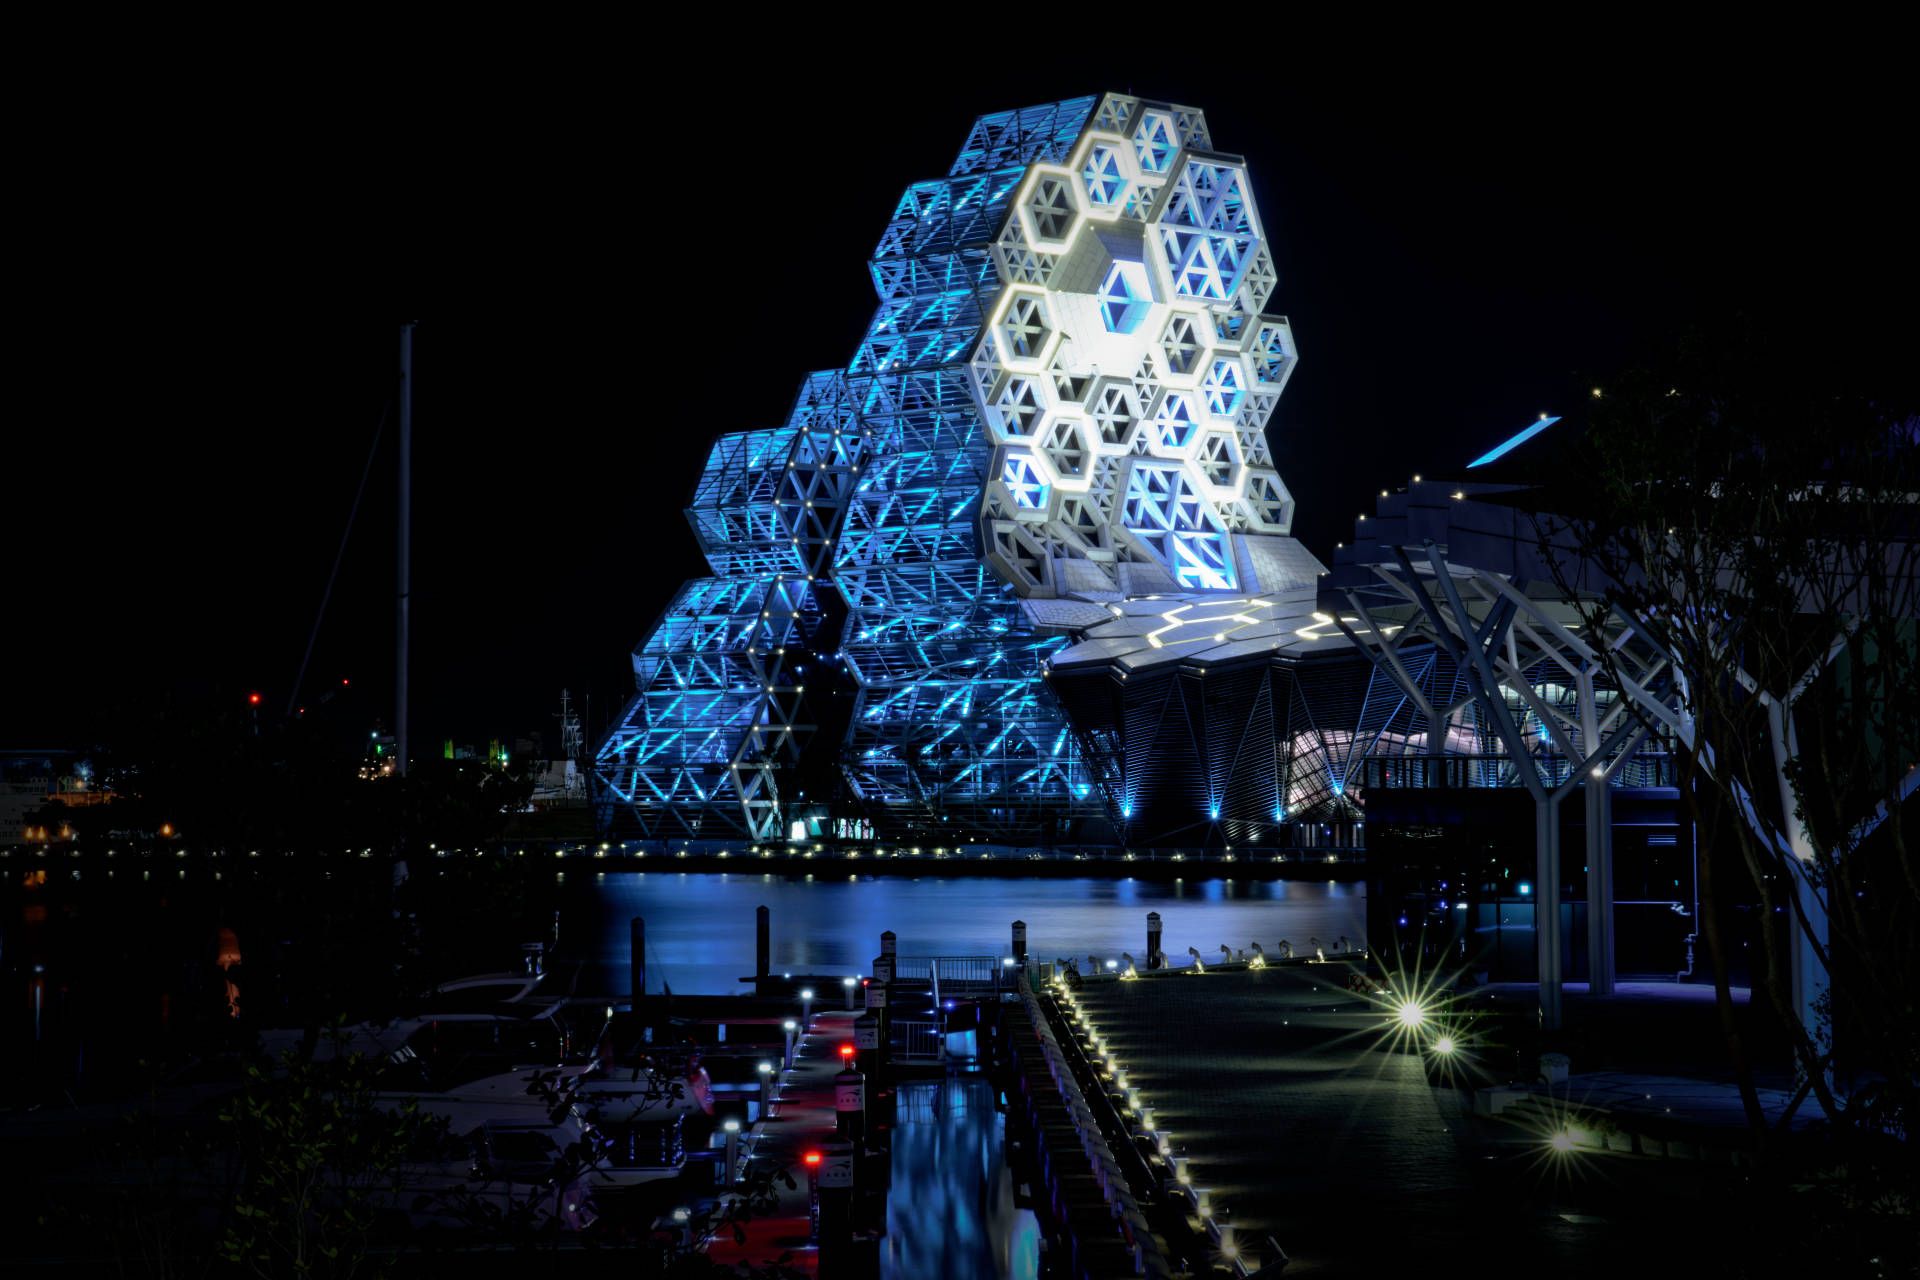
{"points": [[700, 939]]}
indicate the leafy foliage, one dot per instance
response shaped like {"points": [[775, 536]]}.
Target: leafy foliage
{"points": [[1759, 519], [321, 1164]]}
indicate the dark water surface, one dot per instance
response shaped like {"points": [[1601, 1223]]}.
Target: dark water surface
{"points": [[700, 927]]}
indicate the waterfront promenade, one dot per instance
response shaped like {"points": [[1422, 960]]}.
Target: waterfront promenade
{"points": [[1299, 1120]]}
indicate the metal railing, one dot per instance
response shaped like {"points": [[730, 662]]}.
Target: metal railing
{"points": [[954, 976], [918, 1042], [1644, 769]]}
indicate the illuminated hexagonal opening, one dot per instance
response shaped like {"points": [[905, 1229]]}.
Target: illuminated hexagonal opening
{"points": [[1125, 296]]}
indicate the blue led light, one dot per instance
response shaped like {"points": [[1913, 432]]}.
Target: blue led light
{"points": [[1513, 442]]}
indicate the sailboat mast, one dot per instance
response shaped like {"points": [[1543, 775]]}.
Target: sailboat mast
{"points": [[405, 549]]}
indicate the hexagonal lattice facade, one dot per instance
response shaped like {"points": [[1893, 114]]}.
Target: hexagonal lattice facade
{"points": [[1062, 393], [1126, 371]]}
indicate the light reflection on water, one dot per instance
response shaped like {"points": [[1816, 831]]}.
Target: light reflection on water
{"points": [[700, 926], [950, 1206]]}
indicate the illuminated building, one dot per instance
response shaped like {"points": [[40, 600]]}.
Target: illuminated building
{"points": [[1046, 462]]}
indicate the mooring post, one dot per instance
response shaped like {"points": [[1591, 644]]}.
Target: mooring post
{"points": [[1155, 959], [879, 998], [1020, 943], [637, 963], [762, 942], [835, 1214], [850, 1103]]}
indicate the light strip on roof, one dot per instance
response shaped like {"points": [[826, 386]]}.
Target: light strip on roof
{"points": [[1512, 444]]}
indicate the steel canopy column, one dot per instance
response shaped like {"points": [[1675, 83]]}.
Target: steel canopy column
{"points": [[1546, 906], [1489, 690], [1600, 934], [1806, 964], [1600, 931]]}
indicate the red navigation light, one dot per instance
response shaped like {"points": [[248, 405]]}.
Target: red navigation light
{"points": [[811, 1159], [253, 699], [846, 1051], [343, 682]]}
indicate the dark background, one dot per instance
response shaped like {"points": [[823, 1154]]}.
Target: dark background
{"points": [[609, 273]]}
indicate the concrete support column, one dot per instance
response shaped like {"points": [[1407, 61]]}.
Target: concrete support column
{"points": [[1546, 907], [1600, 930]]}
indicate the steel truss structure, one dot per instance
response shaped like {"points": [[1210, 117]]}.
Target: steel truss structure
{"points": [[1459, 571]]}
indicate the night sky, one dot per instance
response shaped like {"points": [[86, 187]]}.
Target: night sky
{"points": [[603, 284]]}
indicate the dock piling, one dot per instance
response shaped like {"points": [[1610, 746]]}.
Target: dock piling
{"points": [[637, 963], [762, 942], [1155, 958]]}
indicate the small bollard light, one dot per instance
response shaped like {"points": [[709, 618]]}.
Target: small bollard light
{"points": [[766, 1087], [732, 1129], [848, 984], [792, 1039], [806, 1007]]}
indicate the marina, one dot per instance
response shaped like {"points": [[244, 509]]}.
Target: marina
{"points": [[1023, 801]]}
